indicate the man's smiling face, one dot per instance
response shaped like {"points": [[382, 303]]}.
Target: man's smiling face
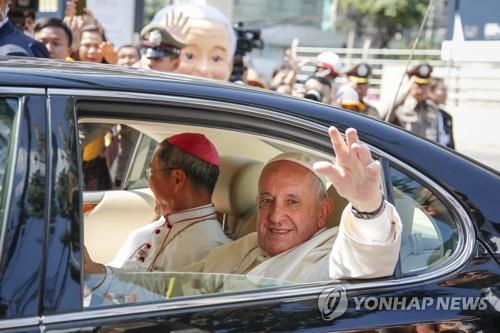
{"points": [[289, 208]]}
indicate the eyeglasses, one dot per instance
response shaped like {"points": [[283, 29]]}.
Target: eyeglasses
{"points": [[148, 172]]}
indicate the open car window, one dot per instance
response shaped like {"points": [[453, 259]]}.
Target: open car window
{"points": [[118, 213], [430, 233]]}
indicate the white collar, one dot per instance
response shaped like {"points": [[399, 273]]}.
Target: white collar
{"points": [[193, 214]]}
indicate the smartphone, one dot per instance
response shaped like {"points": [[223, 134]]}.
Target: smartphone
{"points": [[80, 6]]}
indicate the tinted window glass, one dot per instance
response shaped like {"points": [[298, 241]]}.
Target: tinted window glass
{"points": [[429, 229], [140, 163], [106, 153], [125, 231], [8, 108]]}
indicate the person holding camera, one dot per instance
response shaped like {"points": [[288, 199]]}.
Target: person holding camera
{"points": [[318, 89]]}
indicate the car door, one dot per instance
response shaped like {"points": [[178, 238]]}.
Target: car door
{"points": [[23, 182], [436, 249]]}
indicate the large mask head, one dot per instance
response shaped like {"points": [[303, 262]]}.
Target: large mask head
{"points": [[210, 41]]}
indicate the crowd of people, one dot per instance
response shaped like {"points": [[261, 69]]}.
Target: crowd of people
{"points": [[201, 41]]}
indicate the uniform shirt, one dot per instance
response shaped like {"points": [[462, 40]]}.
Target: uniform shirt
{"points": [[445, 127], [15, 43], [420, 118], [171, 242]]}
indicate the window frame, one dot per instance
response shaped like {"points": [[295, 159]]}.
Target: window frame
{"points": [[9, 174], [209, 113], [23, 96], [442, 197]]}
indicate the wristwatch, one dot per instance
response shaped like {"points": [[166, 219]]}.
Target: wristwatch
{"points": [[369, 215]]}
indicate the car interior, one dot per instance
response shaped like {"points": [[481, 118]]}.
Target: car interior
{"points": [[110, 215]]}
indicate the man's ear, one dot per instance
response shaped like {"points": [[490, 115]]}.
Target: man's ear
{"points": [[180, 179], [326, 208]]}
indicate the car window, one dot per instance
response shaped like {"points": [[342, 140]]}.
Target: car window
{"points": [[140, 161], [106, 152], [8, 108], [118, 214], [430, 233]]}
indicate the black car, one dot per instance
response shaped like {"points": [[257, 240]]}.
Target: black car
{"points": [[447, 278]]}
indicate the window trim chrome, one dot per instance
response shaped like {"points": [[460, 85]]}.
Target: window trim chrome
{"points": [[20, 322], [126, 179], [465, 245], [12, 170], [22, 91]]}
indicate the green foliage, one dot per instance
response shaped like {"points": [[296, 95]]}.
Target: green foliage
{"points": [[386, 17], [151, 7]]}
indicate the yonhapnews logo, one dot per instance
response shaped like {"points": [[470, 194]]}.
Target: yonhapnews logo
{"points": [[333, 302]]}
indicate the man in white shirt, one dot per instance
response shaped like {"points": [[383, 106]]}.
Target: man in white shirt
{"points": [[291, 243], [182, 176]]}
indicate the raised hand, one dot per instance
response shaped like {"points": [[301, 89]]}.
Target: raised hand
{"points": [[75, 24], [355, 175], [176, 25], [109, 53]]}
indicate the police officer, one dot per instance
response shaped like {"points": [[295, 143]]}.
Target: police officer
{"points": [[437, 96], [352, 95], [15, 43], [160, 49], [412, 111]]}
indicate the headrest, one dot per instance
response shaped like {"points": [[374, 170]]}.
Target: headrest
{"points": [[236, 189]]}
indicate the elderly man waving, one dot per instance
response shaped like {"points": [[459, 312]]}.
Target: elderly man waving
{"points": [[291, 242]]}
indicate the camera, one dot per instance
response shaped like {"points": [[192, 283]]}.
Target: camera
{"points": [[247, 40], [314, 94]]}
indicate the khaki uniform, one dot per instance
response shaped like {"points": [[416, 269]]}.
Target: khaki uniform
{"points": [[419, 118], [370, 111]]}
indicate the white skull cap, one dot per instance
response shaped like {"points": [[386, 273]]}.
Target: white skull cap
{"points": [[302, 159]]}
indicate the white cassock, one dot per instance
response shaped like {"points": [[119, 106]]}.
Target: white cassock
{"points": [[171, 242], [357, 249]]}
